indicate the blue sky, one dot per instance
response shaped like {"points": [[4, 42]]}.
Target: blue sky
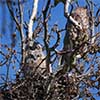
{"points": [[7, 26]]}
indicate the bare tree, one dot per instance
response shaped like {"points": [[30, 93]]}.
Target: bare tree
{"points": [[35, 54]]}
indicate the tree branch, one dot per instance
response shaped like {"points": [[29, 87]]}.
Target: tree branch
{"points": [[93, 23], [12, 14], [19, 25], [31, 21], [45, 10], [21, 31], [21, 19]]}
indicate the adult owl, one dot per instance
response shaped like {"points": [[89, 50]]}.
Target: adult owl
{"points": [[75, 36], [34, 60]]}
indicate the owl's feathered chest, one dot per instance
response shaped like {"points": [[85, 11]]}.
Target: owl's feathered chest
{"points": [[34, 60], [75, 33]]}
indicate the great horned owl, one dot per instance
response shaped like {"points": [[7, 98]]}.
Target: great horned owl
{"points": [[75, 36], [34, 60]]}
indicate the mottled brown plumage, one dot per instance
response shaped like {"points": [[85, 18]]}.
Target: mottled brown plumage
{"points": [[34, 60], [75, 36]]}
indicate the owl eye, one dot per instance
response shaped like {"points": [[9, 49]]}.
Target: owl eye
{"points": [[33, 57], [38, 55]]}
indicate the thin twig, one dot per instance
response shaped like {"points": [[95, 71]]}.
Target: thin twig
{"points": [[12, 14], [57, 41], [1, 64]]}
